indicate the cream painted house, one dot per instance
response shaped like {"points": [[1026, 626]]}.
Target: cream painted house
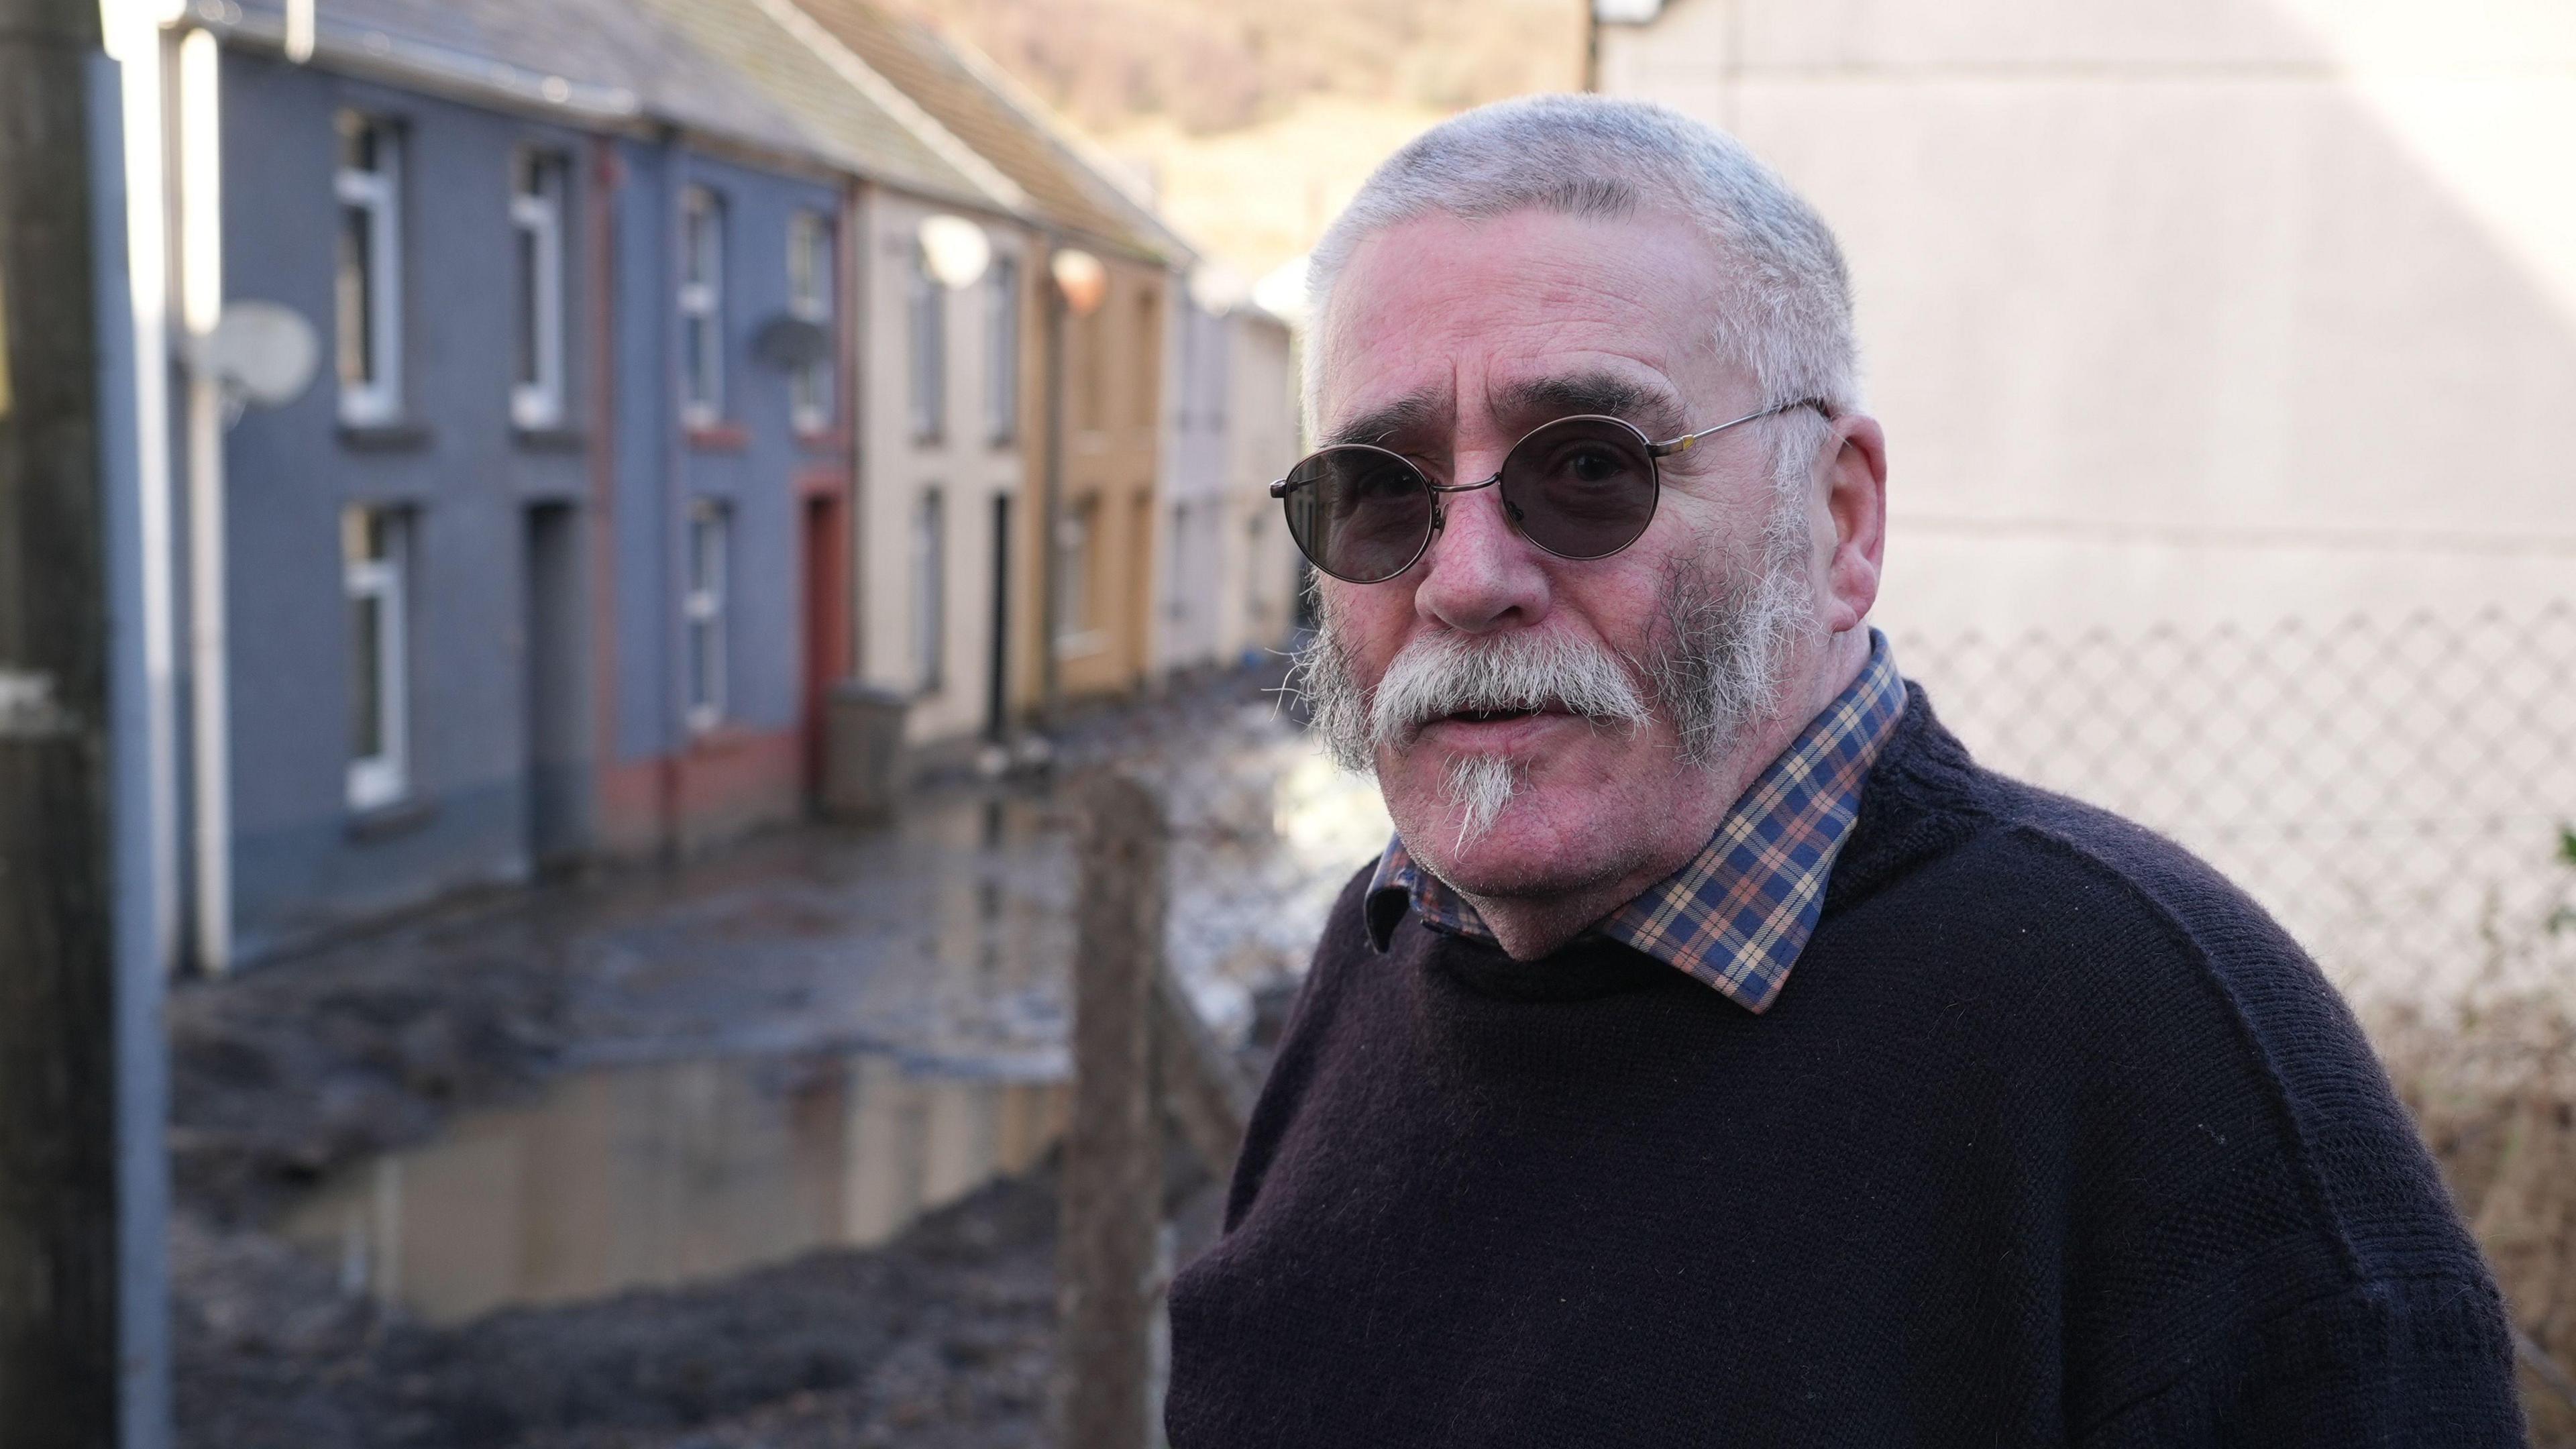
{"points": [[946, 417], [2216, 309]]}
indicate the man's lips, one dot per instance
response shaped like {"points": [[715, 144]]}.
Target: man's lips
{"points": [[1494, 724]]}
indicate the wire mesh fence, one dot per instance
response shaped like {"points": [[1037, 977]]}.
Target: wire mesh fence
{"points": [[2397, 792]]}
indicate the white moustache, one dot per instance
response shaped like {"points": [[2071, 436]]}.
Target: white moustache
{"points": [[1438, 675]]}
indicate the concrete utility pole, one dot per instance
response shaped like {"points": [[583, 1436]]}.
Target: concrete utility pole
{"points": [[58, 1126]]}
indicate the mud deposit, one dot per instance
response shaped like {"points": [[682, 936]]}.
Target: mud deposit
{"points": [[752, 1152], [943, 1338]]}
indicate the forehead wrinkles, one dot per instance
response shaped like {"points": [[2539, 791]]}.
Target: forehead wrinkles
{"points": [[1487, 304]]}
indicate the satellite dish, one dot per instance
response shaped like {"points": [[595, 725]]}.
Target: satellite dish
{"points": [[261, 353], [1082, 279], [955, 249], [788, 343]]}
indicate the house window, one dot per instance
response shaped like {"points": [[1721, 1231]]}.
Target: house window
{"points": [[809, 298], [1177, 570], [1090, 354], [369, 276], [702, 306], [1002, 349], [1149, 330], [929, 590], [703, 609], [375, 550], [536, 221], [1256, 576], [1073, 543], [927, 310]]}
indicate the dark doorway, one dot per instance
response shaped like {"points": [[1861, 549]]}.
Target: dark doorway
{"points": [[827, 622], [557, 693], [997, 677]]}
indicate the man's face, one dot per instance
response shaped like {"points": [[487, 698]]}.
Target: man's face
{"points": [[1452, 339]]}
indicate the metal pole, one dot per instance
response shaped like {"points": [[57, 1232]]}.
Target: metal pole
{"points": [[1050, 685], [128, 214], [58, 1141], [201, 297]]}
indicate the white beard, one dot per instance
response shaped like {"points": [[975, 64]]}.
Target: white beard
{"points": [[1481, 786]]}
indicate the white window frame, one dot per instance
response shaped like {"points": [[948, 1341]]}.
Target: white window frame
{"points": [[812, 273], [926, 351], [1002, 344], [383, 778], [703, 608], [539, 183], [1076, 535], [376, 193], [930, 591], [701, 301]]}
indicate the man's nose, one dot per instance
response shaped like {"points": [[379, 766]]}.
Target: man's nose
{"points": [[1481, 573]]}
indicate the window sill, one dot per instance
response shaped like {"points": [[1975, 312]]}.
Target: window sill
{"points": [[823, 440], [718, 437], [1074, 646], [550, 440], [384, 437], [389, 820]]}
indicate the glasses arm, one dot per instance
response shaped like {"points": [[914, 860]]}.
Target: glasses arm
{"points": [[1687, 441]]}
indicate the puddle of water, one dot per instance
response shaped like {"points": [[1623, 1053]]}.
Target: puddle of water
{"points": [[630, 1176]]}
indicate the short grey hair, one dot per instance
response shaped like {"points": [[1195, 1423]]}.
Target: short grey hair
{"points": [[1785, 312]]}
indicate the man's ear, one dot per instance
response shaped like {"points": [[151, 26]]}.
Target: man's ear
{"points": [[1855, 499]]}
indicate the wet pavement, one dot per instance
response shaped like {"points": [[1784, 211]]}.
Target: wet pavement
{"points": [[658, 1174], [805, 1041]]}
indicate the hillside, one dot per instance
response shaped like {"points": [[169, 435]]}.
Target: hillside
{"points": [[1254, 121]]}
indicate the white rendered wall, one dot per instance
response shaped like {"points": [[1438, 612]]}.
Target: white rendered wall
{"points": [[2221, 309], [895, 470]]}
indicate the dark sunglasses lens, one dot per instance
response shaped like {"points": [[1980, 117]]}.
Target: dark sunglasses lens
{"points": [[1361, 514], [1581, 488]]}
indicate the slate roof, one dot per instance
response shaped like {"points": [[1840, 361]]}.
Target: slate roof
{"points": [[1003, 130], [723, 68], [839, 121]]}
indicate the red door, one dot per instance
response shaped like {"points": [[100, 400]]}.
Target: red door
{"points": [[827, 621]]}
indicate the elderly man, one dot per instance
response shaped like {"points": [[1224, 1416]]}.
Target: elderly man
{"points": [[1718, 1054]]}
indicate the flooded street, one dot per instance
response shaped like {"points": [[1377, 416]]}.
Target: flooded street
{"points": [[818, 1036], [653, 1175], [440, 1184]]}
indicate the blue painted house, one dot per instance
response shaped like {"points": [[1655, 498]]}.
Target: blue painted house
{"points": [[551, 561]]}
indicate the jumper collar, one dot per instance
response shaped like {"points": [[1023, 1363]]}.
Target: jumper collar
{"points": [[1737, 914]]}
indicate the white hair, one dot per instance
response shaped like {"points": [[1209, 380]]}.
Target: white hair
{"points": [[1784, 312]]}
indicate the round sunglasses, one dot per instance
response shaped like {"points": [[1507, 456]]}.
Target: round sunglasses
{"points": [[1581, 488]]}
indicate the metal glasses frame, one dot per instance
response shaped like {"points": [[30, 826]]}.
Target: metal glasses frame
{"points": [[1655, 453]]}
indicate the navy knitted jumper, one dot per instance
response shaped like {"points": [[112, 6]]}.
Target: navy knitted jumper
{"points": [[2053, 1138]]}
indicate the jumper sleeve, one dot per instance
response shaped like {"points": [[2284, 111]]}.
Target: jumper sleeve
{"points": [[2421, 1361]]}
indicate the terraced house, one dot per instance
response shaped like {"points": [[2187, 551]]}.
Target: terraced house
{"points": [[680, 359]]}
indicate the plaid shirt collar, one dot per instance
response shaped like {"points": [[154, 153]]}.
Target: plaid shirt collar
{"points": [[1737, 914]]}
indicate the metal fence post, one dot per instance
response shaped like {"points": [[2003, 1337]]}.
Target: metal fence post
{"points": [[1112, 1206]]}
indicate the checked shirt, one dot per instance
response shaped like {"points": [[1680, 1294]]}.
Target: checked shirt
{"points": [[1737, 914]]}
